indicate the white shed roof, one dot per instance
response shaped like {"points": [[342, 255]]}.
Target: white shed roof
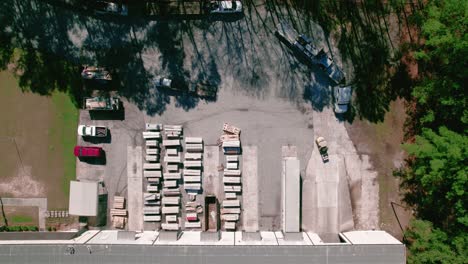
{"points": [[83, 198]]}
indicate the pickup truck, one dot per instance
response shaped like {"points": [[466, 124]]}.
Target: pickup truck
{"points": [[87, 152], [92, 131], [322, 147]]}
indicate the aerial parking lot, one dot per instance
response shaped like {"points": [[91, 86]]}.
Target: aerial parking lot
{"points": [[200, 70]]}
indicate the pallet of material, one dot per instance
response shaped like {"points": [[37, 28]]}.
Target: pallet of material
{"points": [[194, 147], [152, 173], [172, 152], [119, 202], [196, 224], [151, 135], [193, 156], [229, 138], [171, 142], [191, 217], [231, 179], [170, 200], [172, 176], [152, 188], [232, 172], [192, 186], [232, 158], [230, 195], [232, 188], [152, 158], [152, 143], [167, 226], [230, 217], [153, 180], [172, 134], [173, 127], [192, 172], [231, 129], [119, 221], [151, 210], [171, 218], [172, 168], [152, 126], [151, 166], [172, 159], [231, 203], [150, 196], [192, 179], [151, 218], [153, 202], [230, 211], [232, 144], [170, 210], [232, 165], [170, 184], [171, 191], [192, 163], [229, 225], [152, 151], [193, 140], [119, 212]]}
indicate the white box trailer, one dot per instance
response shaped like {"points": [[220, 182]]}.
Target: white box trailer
{"points": [[172, 168], [192, 163], [232, 158], [154, 158], [230, 195], [172, 159], [232, 165], [230, 211], [230, 225], [151, 218], [170, 200], [192, 179], [193, 140], [194, 147], [152, 143], [151, 166], [231, 203], [172, 176], [151, 210], [193, 156], [170, 210], [152, 151], [152, 187], [152, 126], [232, 172], [154, 180], [196, 224], [170, 184], [192, 172], [167, 226], [171, 192], [192, 186], [231, 179], [172, 152], [171, 142], [151, 135], [230, 217], [232, 188], [171, 218], [152, 173]]}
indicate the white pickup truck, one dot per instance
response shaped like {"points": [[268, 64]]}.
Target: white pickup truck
{"points": [[92, 131]]}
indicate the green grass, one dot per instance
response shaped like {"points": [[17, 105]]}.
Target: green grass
{"points": [[63, 134], [20, 219]]}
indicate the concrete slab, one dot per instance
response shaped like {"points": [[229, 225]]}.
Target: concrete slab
{"points": [[110, 237], [193, 238], [250, 189], [135, 188], [212, 182]]}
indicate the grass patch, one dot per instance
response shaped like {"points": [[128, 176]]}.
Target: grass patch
{"points": [[20, 219], [63, 135]]}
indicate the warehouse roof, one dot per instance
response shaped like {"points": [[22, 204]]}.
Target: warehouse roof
{"points": [[83, 198]]}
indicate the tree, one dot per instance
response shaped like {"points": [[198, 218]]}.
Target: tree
{"points": [[431, 245], [436, 180]]}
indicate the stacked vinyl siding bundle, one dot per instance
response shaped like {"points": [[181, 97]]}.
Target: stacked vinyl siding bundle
{"points": [[193, 164], [173, 131], [118, 213], [152, 172]]}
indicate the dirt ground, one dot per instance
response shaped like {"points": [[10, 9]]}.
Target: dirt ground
{"points": [[32, 130], [21, 215], [382, 142]]}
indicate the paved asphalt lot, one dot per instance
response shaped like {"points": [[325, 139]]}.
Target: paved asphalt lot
{"points": [[262, 88]]}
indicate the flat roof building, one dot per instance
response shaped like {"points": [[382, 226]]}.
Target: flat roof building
{"points": [[83, 198], [291, 195]]}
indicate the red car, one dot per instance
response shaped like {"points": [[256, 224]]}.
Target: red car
{"points": [[94, 152]]}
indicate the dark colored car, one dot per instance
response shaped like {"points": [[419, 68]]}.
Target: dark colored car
{"points": [[91, 152]]}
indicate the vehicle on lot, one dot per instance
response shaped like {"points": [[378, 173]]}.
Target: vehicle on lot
{"points": [[101, 103], [88, 152], [322, 147], [106, 7], [225, 7], [342, 97], [329, 66], [96, 73], [202, 89], [211, 213], [92, 131], [162, 82]]}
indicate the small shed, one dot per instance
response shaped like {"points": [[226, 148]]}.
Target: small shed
{"points": [[83, 198]]}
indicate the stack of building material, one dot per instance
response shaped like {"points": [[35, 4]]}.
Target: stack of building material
{"points": [[171, 192], [173, 131], [193, 164], [230, 213], [119, 202], [153, 127], [152, 172], [191, 216], [118, 213]]}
